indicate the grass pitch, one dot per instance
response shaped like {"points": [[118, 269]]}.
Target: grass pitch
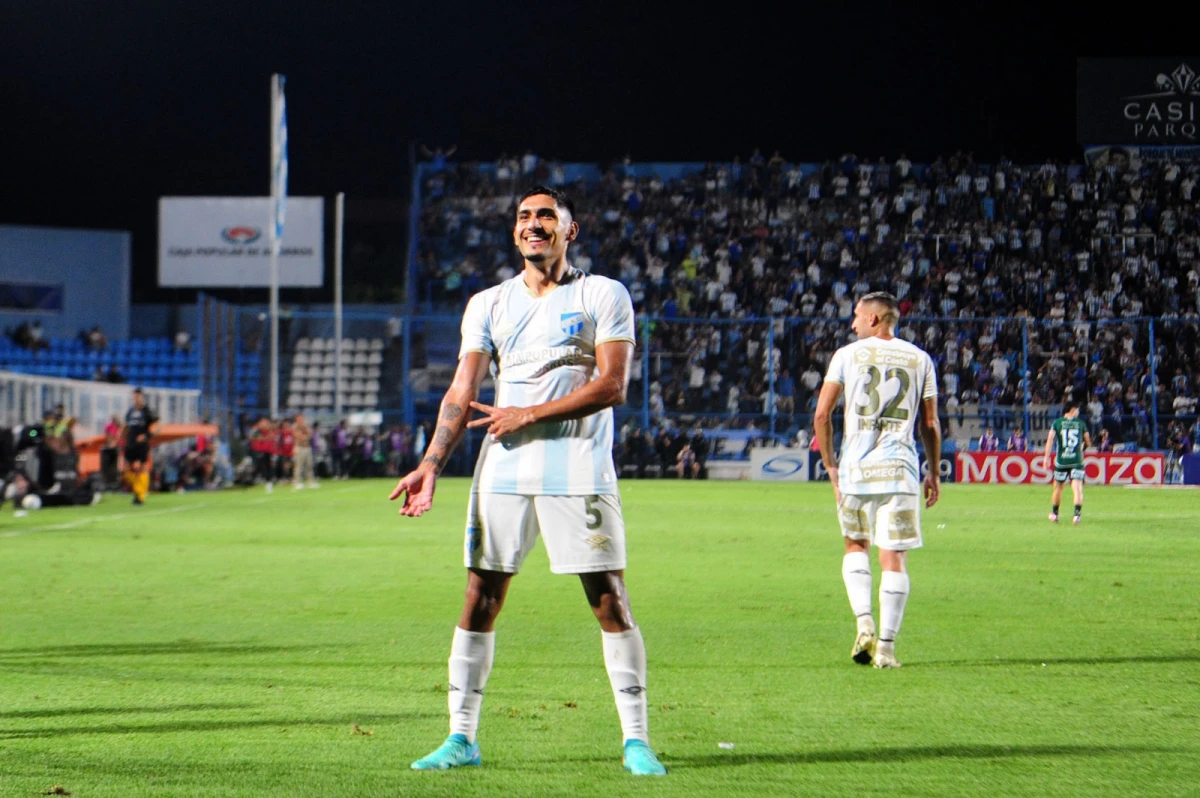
{"points": [[295, 644]]}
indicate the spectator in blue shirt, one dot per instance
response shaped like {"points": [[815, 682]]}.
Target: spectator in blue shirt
{"points": [[785, 390], [1179, 383]]}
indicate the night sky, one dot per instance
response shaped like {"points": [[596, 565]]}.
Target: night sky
{"points": [[108, 105]]}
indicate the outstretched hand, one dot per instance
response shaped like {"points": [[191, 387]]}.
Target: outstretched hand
{"points": [[501, 421], [417, 488]]}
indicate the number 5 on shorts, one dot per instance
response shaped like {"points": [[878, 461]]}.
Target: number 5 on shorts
{"points": [[593, 512]]}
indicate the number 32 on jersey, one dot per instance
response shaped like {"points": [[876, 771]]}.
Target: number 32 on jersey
{"points": [[894, 413]]}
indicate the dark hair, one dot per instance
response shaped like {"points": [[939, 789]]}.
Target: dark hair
{"points": [[883, 298], [138, 390], [1070, 404], [889, 301], [560, 197]]}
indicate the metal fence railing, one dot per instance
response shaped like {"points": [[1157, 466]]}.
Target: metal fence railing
{"points": [[25, 399], [763, 374]]}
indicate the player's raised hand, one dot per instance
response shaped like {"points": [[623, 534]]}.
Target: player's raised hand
{"points": [[417, 488], [501, 421], [933, 489]]}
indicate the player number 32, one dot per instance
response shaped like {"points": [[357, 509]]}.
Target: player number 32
{"points": [[893, 409]]}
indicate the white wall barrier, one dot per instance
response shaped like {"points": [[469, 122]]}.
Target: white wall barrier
{"points": [[25, 398]]}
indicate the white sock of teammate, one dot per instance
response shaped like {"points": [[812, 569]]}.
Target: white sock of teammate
{"points": [[625, 660], [856, 573], [893, 593], [471, 656]]}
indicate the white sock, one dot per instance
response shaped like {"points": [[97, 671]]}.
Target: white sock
{"points": [[893, 593], [856, 573], [625, 660], [471, 656]]}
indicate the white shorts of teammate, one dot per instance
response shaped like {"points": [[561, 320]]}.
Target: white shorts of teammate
{"points": [[889, 520], [583, 534]]}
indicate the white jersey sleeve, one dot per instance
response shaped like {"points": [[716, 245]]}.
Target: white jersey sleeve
{"points": [[612, 312], [930, 389], [837, 368], [476, 326]]}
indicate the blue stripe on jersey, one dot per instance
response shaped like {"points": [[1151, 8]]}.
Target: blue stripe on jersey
{"points": [[505, 481], [555, 465], [502, 481]]}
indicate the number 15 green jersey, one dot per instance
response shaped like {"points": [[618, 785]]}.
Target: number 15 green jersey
{"points": [[1068, 438], [884, 382]]}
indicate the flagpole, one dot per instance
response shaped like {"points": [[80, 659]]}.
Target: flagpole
{"points": [[278, 191], [339, 224]]}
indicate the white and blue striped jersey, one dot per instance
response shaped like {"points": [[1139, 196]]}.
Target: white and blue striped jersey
{"points": [[884, 382], [543, 348]]}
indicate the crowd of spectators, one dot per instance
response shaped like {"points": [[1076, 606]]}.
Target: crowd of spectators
{"points": [[1063, 262], [267, 449], [30, 335]]}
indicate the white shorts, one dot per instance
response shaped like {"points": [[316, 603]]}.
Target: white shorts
{"points": [[583, 534], [889, 520]]}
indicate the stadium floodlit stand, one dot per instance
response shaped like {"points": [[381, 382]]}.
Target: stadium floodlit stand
{"points": [[747, 267]]}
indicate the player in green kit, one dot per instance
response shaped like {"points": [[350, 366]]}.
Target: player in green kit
{"points": [[1070, 434]]}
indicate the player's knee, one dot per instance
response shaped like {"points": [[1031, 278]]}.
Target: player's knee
{"points": [[890, 560], [612, 613], [482, 605]]}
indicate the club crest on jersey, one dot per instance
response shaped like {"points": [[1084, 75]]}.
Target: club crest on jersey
{"points": [[572, 322]]}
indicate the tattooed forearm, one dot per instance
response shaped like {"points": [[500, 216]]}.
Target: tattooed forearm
{"points": [[448, 431], [443, 436]]}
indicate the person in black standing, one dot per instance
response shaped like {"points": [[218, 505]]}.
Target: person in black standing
{"points": [[701, 447], [139, 427]]}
